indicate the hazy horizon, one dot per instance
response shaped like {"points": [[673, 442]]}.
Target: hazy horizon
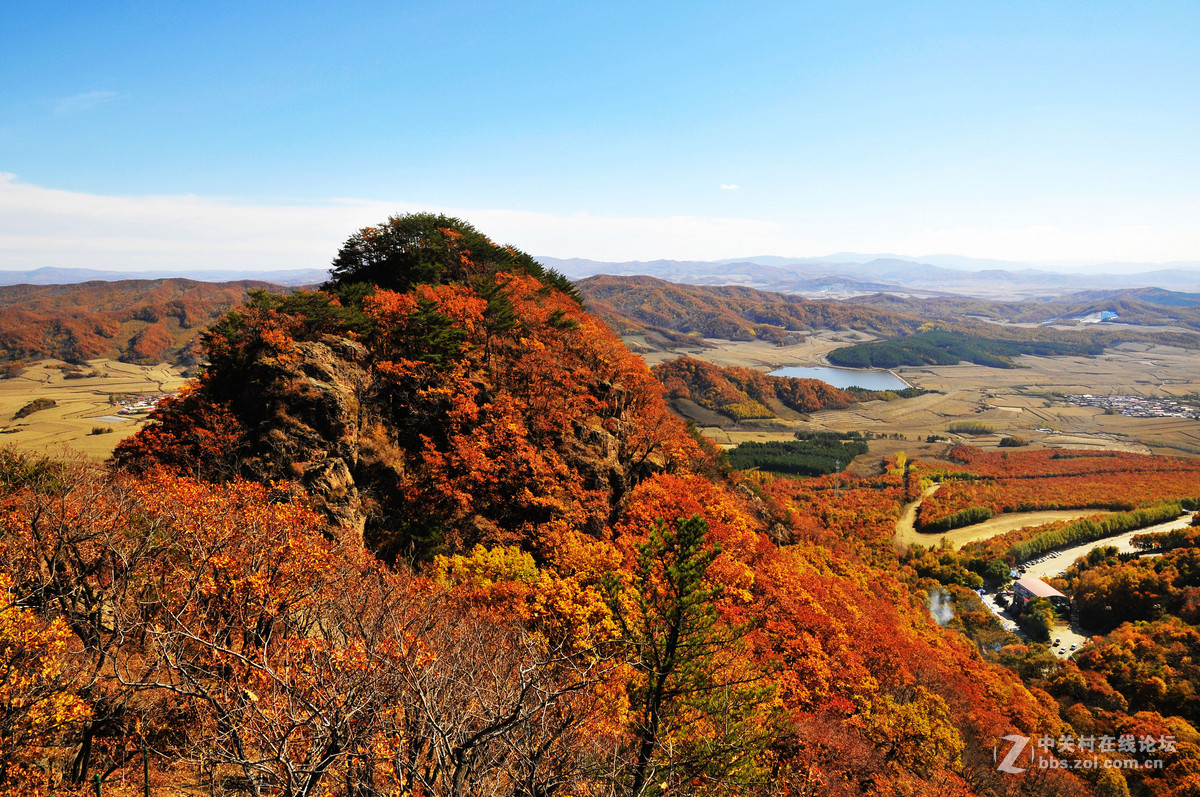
{"points": [[831, 261]]}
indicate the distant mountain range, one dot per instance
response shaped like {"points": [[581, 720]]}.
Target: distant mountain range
{"points": [[843, 275], [149, 321], [67, 276], [849, 274], [665, 315], [839, 276]]}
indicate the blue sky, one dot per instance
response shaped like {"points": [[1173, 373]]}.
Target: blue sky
{"points": [[210, 135]]}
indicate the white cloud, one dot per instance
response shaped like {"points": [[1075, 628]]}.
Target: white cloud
{"points": [[48, 227], [730, 187], [64, 106]]}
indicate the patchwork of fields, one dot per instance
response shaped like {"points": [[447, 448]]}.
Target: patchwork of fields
{"points": [[81, 405], [1024, 402]]}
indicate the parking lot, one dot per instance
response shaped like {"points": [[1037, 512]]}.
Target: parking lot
{"points": [[1067, 637]]}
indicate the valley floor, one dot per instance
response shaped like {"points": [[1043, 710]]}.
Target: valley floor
{"points": [[80, 405], [1025, 402]]}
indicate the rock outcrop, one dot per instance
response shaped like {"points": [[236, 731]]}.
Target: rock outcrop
{"points": [[412, 446]]}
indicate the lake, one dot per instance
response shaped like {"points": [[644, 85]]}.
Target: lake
{"points": [[846, 377]]}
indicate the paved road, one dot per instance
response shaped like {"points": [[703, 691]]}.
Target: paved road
{"points": [[1065, 637], [1061, 560]]}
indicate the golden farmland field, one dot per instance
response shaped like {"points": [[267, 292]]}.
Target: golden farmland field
{"points": [[81, 405]]}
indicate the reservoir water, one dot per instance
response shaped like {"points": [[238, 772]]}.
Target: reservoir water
{"points": [[846, 377]]}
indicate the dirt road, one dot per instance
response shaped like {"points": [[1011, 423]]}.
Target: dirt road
{"points": [[907, 534]]}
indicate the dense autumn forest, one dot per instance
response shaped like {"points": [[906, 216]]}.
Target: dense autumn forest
{"points": [[743, 394], [432, 529], [1004, 481], [138, 321]]}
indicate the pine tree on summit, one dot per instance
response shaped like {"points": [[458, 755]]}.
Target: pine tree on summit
{"points": [[427, 248]]}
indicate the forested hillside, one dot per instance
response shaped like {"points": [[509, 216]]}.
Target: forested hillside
{"points": [[1135, 680], [636, 304], [743, 394], [433, 530], [138, 321]]}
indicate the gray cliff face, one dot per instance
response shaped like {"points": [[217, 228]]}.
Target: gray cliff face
{"points": [[310, 427]]}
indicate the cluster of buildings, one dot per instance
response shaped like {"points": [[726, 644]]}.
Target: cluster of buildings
{"points": [[1136, 406], [138, 405]]}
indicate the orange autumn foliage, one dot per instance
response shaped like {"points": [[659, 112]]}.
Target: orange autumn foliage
{"points": [[562, 528], [38, 701], [742, 393], [1024, 481], [490, 422]]}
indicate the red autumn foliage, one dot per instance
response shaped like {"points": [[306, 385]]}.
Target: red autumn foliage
{"points": [[742, 393], [133, 320], [1058, 479], [489, 427]]}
